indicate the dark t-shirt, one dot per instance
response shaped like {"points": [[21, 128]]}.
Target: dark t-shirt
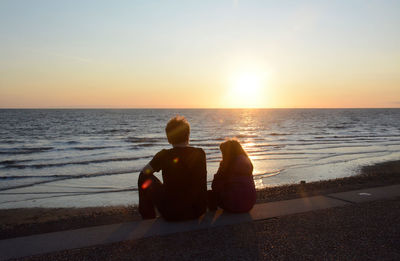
{"points": [[235, 187], [184, 175]]}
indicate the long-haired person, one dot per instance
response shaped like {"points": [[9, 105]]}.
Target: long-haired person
{"points": [[233, 186]]}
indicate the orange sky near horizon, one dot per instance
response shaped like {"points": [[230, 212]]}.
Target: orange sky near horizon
{"points": [[229, 54]]}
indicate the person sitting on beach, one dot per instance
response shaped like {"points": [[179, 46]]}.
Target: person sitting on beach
{"points": [[183, 195], [233, 186]]}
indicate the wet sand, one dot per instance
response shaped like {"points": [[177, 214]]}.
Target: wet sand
{"points": [[21, 222]]}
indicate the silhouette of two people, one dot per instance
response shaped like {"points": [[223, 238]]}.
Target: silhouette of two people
{"points": [[183, 193]]}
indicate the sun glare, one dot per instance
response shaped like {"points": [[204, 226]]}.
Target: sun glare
{"points": [[247, 85], [246, 90]]}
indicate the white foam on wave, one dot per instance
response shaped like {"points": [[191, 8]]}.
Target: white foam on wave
{"points": [[92, 157]]}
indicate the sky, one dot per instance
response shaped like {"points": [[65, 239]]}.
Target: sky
{"points": [[199, 54]]}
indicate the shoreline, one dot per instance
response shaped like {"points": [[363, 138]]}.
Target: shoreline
{"points": [[28, 221]]}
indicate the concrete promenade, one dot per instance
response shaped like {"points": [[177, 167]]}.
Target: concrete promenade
{"points": [[100, 235]]}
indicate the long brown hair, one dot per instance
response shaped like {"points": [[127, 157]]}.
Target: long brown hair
{"points": [[230, 149]]}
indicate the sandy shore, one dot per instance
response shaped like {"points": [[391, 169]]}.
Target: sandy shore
{"points": [[365, 231], [21, 222], [353, 232]]}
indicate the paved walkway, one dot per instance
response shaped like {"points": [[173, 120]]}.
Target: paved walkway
{"points": [[85, 237]]}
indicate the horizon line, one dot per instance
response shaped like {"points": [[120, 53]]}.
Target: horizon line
{"points": [[184, 108]]}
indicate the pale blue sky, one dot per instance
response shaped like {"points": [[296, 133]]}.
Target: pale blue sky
{"points": [[329, 49]]}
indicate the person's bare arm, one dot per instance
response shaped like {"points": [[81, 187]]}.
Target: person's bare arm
{"points": [[148, 170]]}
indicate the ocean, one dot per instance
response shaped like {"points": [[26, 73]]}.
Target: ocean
{"points": [[92, 157]]}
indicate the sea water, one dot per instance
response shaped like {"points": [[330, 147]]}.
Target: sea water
{"points": [[80, 158]]}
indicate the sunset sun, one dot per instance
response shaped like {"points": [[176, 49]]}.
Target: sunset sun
{"points": [[246, 90], [247, 85]]}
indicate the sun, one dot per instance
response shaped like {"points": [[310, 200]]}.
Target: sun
{"points": [[245, 90], [247, 85]]}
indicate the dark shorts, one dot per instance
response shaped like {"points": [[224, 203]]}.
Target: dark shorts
{"points": [[152, 195]]}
